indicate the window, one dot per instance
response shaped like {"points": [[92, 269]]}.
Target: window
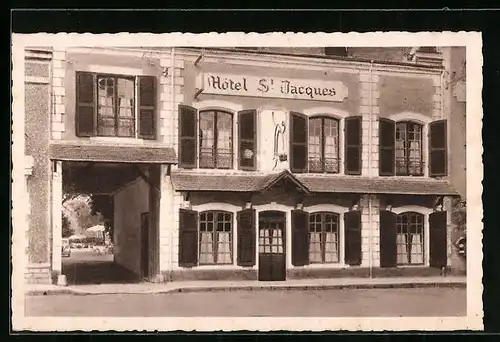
{"points": [[206, 139], [323, 145], [216, 140], [110, 105], [409, 149], [215, 238], [401, 152], [323, 238], [410, 238], [315, 144]]}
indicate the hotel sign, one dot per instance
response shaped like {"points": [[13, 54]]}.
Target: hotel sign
{"points": [[257, 86]]}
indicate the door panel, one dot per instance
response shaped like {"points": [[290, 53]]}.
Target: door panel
{"points": [[272, 256]]}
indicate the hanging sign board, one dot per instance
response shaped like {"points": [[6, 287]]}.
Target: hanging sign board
{"points": [[257, 86]]}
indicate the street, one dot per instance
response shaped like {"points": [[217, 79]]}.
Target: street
{"points": [[292, 303]]}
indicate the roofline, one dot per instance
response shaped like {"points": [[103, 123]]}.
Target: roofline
{"points": [[321, 57]]}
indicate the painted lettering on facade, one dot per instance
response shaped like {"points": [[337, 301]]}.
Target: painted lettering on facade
{"points": [[241, 85]]}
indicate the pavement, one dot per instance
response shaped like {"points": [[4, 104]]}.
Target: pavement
{"points": [[250, 285]]}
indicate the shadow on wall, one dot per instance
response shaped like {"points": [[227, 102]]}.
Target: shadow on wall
{"points": [[98, 272]]}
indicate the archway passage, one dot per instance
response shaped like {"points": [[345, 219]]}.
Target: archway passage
{"points": [[122, 197]]}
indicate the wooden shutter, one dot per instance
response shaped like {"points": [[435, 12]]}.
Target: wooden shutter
{"points": [[85, 104], [353, 145], [300, 238], [352, 226], [246, 237], [298, 142], [247, 135], [147, 105], [437, 149], [187, 137], [388, 250], [437, 239], [387, 144], [188, 238]]}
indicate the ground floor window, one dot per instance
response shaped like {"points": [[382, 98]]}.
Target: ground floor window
{"points": [[410, 238], [216, 237], [324, 237]]}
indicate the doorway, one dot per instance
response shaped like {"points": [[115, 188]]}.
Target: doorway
{"points": [[272, 260], [145, 245]]}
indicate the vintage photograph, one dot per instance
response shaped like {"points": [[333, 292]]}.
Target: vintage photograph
{"points": [[227, 181]]}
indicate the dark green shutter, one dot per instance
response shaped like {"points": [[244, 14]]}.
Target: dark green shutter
{"points": [[353, 145], [300, 238], [298, 142], [187, 137], [246, 237], [188, 238], [85, 104], [388, 248], [387, 147], [147, 107], [438, 154], [247, 135], [352, 226], [438, 239]]}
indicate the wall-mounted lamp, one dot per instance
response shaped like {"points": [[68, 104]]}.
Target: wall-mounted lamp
{"points": [[388, 207], [299, 206], [438, 204], [248, 205]]}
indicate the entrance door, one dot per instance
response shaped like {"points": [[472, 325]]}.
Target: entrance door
{"points": [[272, 262], [145, 245]]}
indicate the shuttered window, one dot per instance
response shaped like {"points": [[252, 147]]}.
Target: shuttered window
{"points": [[388, 256], [246, 237], [247, 144], [216, 241], [352, 226], [187, 137], [410, 239], [298, 142], [438, 239], [438, 148], [324, 239], [408, 154], [188, 238], [323, 145], [353, 145], [106, 105], [386, 147], [300, 238]]}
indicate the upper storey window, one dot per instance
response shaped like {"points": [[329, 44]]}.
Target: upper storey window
{"points": [[206, 139], [315, 144], [401, 148], [115, 106]]}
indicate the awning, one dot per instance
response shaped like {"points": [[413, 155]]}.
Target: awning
{"points": [[364, 185], [112, 153], [193, 181]]}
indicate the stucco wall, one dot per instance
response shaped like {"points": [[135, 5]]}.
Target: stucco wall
{"points": [[129, 203]]}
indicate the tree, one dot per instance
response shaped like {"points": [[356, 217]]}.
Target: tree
{"points": [[66, 227]]}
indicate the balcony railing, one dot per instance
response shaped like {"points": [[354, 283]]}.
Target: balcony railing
{"points": [[324, 165], [409, 167]]}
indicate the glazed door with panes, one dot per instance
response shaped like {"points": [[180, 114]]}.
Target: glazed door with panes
{"points": [[272, 260]]}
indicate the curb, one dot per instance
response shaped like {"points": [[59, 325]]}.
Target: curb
{"points": [[274, 287]]}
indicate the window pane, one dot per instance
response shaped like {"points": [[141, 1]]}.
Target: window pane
{"points": [[105, 110], [331, 135], [207, 136], [224, 140], [315, 164], [410, 239]]}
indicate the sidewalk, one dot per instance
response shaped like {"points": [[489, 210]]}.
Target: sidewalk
{"points": [[293, 284]]}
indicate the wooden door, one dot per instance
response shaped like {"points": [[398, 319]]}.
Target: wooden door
{"points": [[272, 256]]}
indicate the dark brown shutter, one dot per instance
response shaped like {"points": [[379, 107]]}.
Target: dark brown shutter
{"points": [[187, 137], [188, 238], [387, 148], [438, 149], [437, 239], [247, 122], [353, 145], [352, 225], [246, 237], [388, 251], [300, 238], [85, 104], [298, 142], [147, 105]]}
